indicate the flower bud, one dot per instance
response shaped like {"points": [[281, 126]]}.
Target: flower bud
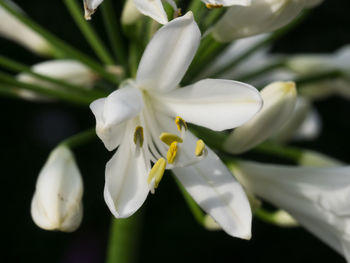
{"points": [[259, 17], [56, 204], [279, 101], [15, 30], [70, 71], [130, 13]]}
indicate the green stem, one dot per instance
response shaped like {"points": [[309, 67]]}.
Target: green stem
{"points": [[124, 239], [80, 138], [261, 71], [318, 77], [274, 36], [290, 153], [59, 94], [8, 91], [60, 45], [88, 32], [134, 55], [19, 67], [115, 36], [208, 49]]}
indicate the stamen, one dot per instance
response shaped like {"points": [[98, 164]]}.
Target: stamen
{"points": [[138, 136], [157, 172], [200, 147], [171, 154], [210, 6], [180, 123], [169, 138]]}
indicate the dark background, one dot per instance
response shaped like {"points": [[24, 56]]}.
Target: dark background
{"points": [[30, 130]]}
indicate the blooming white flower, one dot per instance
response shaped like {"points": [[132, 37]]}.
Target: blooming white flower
{"points": [[13, 29], [70, 71], [259, 17], [279, 101], [134, 116], [318, 198], [56, 204]]}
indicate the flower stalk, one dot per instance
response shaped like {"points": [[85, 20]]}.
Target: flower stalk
{"points": [[88, 32]]}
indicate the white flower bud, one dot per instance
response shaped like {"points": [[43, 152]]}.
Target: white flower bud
{"points": [[130, 13], [70, 71], [259, 17], [56, 204], [13, 29], [279, 101]]}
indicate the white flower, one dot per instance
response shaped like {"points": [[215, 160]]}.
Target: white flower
{"points": [[134, 116], [13, 29], [259, 17], [70, 71], [318, 198], [279, 101], [56, 204]]}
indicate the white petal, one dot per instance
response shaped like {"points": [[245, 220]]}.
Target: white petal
{"points": [[152, 8], [93, 4], [112, 112], [15, 30], [56, 204], [301, 111], [169, 54], [316, 197], [259, 17], [213, 103], [279, 101], [126, 186], [228, 2], [216, 191], [310, 128]]}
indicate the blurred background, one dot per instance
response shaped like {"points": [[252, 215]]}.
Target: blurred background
{"points": [[29, 131]]}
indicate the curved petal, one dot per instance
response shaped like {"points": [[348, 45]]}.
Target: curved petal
{"points": [[169, 54], [213, 103], [216, 191], [152, 8], [111, 113], [126, 186], [212, 186]]}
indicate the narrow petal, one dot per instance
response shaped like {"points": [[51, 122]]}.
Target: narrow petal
{"points": [[216, 191], [126, 186], [213, 103], [152, 8], [111, 113], [90, 7], [169, 54]]}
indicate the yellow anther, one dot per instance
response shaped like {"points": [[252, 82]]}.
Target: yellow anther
{"points": [[138, 136], [180, 123], [169, 138], [210, 6], [157, 172], [200, 146], [171, 154]]}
